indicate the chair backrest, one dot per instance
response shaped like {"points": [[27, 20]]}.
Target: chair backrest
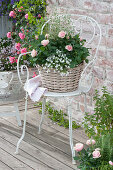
{"points": [[88, 29]]}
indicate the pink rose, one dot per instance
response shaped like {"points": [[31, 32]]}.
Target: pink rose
{"points": [[21, 35], [69, 47], [61, 34], [96, 154], [45, 42], [23, 50], [21, 7], [78, 147], [12, 14], [12, 60], [17, 46], [90, 141], [111, 163], [33, 53], [26, 16], [9, 35], [19, 10], [47, 36]]}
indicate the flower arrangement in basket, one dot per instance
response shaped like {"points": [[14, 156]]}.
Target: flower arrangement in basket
{"points": [[60, 59]]}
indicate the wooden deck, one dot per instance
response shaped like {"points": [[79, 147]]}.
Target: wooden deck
{"points": [[47, 151]]}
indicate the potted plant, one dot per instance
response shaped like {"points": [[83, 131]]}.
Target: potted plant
{"points": [[60, 59]]}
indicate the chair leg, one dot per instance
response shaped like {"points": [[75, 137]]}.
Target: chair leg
{"points": [[85, 102], [17, 114], [24, 126], [43, 113], [70, 132]]}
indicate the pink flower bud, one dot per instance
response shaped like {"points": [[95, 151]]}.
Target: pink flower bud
{"points": [[90, 141], [36, 37], [81, 39], [69, 47], [39, 16], [9, 35], [61, 34], [47, 36], [18, 52], [45, 42], [26, 16], [78, 147], [34, 74]]}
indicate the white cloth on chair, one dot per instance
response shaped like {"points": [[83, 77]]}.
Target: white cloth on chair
{"points": [[32, 86]]}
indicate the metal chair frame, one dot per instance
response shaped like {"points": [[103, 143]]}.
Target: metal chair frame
{"points": [[88, 77]]}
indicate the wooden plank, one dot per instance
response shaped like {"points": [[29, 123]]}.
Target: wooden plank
{"points": [[11, 161], [4, 166], [29, 148], [46, 135], [54, 151], [24, 157], [33, 117]]}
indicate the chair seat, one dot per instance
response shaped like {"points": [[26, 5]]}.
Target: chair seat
{"points": [[80, 90], [12, 96]]}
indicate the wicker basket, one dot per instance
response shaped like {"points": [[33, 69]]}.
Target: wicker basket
{"points": [[54, 82]]}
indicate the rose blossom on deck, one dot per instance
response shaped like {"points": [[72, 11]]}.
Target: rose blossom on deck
{"points": [[78, 147], [61, 34]]}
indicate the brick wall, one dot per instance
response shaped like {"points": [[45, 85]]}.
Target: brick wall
{"points": [[102, 12]]}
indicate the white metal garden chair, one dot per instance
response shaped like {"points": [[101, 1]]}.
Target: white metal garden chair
{"points": [[10, 93], [87, 76]]}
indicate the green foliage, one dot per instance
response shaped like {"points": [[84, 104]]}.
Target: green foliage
{"points": [[105, 142], [101, 121], [58, 116], [105, 146], [6, 6], [34, 9]]}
